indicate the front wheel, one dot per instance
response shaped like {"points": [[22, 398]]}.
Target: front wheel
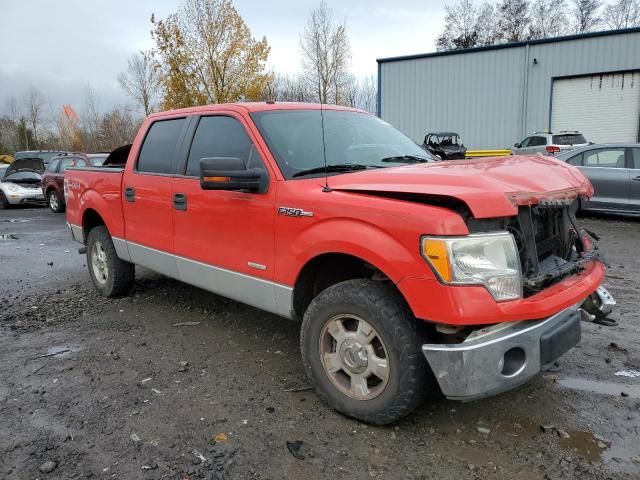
{"points": [[55, 203], [361, 348], [111, 275], [4, 203]]}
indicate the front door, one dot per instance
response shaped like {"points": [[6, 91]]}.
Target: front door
{"points": [[607, 170], [146, 197], [224, 240]]}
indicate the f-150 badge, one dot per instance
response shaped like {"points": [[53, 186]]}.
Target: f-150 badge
{"points": [[293, 212]]}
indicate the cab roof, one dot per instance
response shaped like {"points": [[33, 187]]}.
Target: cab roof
{"points": [[254, 107]]}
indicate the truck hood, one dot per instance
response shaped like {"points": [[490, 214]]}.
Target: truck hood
{"points": [[490, 187]]}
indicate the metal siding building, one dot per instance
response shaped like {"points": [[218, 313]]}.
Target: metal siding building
{"points": [[495, 96]]}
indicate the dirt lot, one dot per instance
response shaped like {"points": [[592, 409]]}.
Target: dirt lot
{"points": [[114, 389]]}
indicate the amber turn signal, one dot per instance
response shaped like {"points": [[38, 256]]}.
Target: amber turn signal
{"points": [[437, 253], [216, 179]]}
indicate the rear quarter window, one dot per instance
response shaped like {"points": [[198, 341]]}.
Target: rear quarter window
{"points": [[160, 146]]}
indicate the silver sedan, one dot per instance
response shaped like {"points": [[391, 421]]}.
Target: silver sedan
{"points": [[614, 171]]}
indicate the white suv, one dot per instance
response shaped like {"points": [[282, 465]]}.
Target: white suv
{"points": [[548, 143]]}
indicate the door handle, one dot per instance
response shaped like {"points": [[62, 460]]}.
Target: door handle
{"points": [[180, 201], [130, 194], [637, 179]]}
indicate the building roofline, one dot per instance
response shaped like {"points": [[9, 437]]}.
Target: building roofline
{"points": [[540, 41]]}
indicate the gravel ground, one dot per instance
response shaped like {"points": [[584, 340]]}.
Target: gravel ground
{"points": [[97, 388]]}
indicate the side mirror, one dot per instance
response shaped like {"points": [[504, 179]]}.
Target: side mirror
{"points": [[516, 145], [230, 173]]}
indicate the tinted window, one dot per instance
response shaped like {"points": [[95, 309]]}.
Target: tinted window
{"points": [[53, 165], [525, 142], [537, 141], [220, 136], [577, 160], [160, 145], [636, 158], [611, 158], [296, 141], [568, 139]]}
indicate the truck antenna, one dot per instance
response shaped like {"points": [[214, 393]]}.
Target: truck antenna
{"points": [[326, 187]]}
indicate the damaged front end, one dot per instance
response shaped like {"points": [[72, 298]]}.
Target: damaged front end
{"points": [[550, 245]]}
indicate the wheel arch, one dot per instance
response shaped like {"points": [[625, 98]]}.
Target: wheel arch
{"points": [[329, 268]]}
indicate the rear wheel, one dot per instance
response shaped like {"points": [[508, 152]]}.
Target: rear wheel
{"points": [[111, 275], [4, 203], [55, 202], [361, 348]]}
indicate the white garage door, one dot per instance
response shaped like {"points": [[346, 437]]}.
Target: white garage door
{"points": [[605, 108]]}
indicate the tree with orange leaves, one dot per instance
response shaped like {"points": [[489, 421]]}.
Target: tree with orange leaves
{"points": [[208, 55]]}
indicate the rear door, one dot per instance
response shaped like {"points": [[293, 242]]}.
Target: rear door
{"points": [[607, 170], [538, 144], [224, 240], [634, 184], [146, 196]]}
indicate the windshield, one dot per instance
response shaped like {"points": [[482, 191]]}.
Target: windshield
{"points": [[23, 177], [568, 139], [351, 138]]}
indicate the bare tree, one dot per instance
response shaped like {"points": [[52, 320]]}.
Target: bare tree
{"points": [[326, 54], [368, 94], [622, 14], [460, 26], [514, 18], [34, 106], [548, 18], [486, 25], [586, 15], [142, 81]]}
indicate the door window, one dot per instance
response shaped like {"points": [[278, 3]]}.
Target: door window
{"points": [[160, 145], [66, 163], [609, 158], [636, 158], [537, 141], [525, 142], [53, 165], [221, 136]]}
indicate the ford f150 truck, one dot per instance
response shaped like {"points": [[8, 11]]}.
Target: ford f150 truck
{"points": [[402, 270]]}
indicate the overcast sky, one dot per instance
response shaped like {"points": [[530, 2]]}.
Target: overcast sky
{"points": [[61, 46]]}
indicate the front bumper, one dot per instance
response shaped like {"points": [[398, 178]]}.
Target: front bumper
{"points": [[503, 356], [21, 198]]}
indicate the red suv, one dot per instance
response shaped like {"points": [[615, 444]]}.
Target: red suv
{"points": [[53, 178]]}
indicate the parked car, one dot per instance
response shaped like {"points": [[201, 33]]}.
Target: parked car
{"points": [[445, 145], [548, 143], [45, 155], [398, 266], [614, 172], [21, 182], [53, 178]]}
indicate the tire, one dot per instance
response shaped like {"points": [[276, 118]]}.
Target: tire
{"points": [[408, 377], [4, 203], [112, 276], [56, 204]]}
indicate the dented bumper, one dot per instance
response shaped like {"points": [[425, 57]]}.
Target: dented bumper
{"points": [[503, 356]]}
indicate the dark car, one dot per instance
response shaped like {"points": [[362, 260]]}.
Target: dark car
{"points": [[53, 178], [446, 145], [614, 171], [45, 155]]}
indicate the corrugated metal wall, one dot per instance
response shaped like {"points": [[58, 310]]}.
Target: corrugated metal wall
{"points": [[481, 94]]}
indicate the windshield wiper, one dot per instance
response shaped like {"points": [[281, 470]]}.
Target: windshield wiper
{"points": [[339, 167], [406, 159]]}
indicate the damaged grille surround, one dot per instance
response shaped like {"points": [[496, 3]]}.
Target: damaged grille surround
{"points": [[550, 245]]}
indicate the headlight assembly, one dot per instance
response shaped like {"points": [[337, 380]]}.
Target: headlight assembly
{"points": [[12, 187], [484, 259]]}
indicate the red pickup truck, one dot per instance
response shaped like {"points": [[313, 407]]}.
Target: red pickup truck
{"points": [[402, 269]]}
